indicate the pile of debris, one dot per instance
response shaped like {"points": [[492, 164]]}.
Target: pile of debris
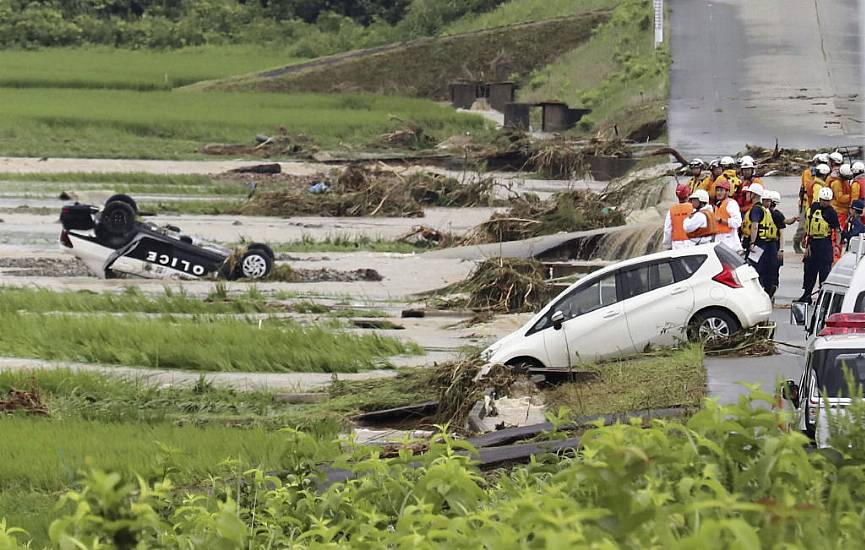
{"points": [[279, 145], [554, 159], [528, 216], [504, 285], [410, 136], [791, 162], [27, 401], [362, 191]]}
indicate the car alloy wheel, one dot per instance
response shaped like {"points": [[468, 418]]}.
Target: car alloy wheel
{"points": [[714, 328], [254, 266]]}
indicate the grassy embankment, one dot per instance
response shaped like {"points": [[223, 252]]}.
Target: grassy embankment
{"points": [[617, 73]]}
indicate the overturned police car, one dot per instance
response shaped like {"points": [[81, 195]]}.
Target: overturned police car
{"points": [[113, 241]]}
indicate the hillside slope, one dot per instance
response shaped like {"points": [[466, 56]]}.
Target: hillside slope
{"points": [[425, 67]]}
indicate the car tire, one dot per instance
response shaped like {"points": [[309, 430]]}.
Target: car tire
{"points": [[123, 198], [711, 325], [117, 219], [264, 248], [254, 264]]}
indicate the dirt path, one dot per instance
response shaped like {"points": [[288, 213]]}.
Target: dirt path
{"points": [[51, 166]]}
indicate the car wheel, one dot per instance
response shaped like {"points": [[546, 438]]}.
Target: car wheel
{"points": [[117, 218], [255, 264], [123, 198], [264, 248], [712, 325]]}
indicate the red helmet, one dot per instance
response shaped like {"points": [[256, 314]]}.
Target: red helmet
{"points": [[683, 191], [722, 184]]}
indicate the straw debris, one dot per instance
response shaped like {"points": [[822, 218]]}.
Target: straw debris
{"points": [[460, 390], [575, 210], [505, 285]]}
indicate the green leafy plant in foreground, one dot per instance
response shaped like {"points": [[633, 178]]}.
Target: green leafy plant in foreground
{"points": [[728, 477]]}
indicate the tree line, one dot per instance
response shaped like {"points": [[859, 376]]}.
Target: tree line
{"points": [[179, 23]]}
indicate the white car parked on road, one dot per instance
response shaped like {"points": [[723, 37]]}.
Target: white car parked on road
{"points": [[705, 291]]}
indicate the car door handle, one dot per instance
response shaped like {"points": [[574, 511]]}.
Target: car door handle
{"points": [[680, 290], [611, 314]]}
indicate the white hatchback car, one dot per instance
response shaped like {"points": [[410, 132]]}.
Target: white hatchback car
{"points": [[655, 300]]}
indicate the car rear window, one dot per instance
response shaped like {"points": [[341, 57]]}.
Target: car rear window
{"points": [[728, 257], [686, 266], [833, 379]]}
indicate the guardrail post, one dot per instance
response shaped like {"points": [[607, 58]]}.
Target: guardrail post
{"points": [[659, 22]]}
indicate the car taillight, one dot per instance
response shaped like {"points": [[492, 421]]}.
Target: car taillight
{"points": [[843, 323], [727, 277], [65, 240]]}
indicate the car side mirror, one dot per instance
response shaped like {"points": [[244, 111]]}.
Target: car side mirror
{"points": [[558, 318], [789, 391], [799, 313]]}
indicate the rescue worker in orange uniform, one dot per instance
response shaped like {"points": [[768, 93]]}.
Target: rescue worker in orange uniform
{"points": [[727, 216], [675, 236], [700, 225], [836, 159], [808, 175], [696, 166], [730, 173], [715, 172], [858, 168], [844, 191], [747, 169]]}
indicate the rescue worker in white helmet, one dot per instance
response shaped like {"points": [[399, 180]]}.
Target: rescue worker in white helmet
{"points": [[858, 168], [821, 232], [808, 175], [701, 224], [844, 191], [821, 172], [748, 171], [727, 216], [765, 239], [715, 172], [696, 166]]}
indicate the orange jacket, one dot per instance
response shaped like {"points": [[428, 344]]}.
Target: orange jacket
{"points": [[807, 182], [678, 213], [710, 229], [814, 190], [843, 193], [722, 215]]}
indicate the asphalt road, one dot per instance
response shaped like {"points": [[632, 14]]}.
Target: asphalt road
{"points": [[748, 71]]}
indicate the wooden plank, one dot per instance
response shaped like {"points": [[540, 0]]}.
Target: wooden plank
{"points": [[496, 457], [511, 435]]}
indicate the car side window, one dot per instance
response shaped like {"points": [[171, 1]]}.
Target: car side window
{"points": [[859, 307], [645, 278], [686, 266], [822, 310], [598, 294]]}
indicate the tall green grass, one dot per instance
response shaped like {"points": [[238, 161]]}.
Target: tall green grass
{"points": [[47, 454], [30, 183], [523, 11], [120, 123], [201, 343], [131, 300], [144, 70]]}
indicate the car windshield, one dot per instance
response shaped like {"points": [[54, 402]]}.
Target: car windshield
{"points": [[831, 368]]}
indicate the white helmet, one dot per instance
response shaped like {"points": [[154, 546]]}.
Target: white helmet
{"points": [[747, 162], [823, 169], [697, 163], [822, 158], [714, 162], [858, 167], [755, 188], [836, 157], [846, 171], [825, 194], [728, 161], [773, 196], [816, 158], [700, 194], [746, 159]]}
